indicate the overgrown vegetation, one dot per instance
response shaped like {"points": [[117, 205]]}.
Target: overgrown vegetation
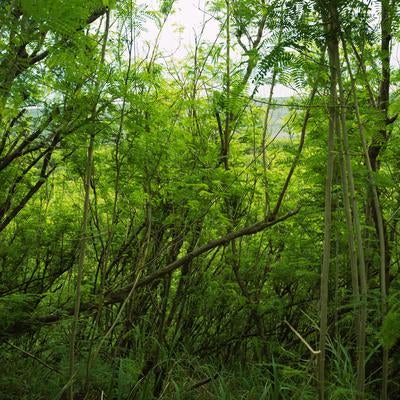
{"points": [[164, 236]]}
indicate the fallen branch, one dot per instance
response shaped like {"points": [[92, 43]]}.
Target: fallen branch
{"points": [[119, 295], [28, 324]]}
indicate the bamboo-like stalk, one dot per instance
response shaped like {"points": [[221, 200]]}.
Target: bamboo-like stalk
{"points": [[356, 238], [83, 238], [228, 112], [328, 14], [378, 211]]}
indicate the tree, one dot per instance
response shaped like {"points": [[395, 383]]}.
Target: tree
{"points": [[169, 221]]}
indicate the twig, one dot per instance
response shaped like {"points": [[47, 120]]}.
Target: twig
{"points": [[315, 352], [202, 382], [34, 357]]}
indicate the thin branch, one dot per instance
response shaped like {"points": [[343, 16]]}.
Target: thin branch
{"points": [[33, 357], [314, 352]]}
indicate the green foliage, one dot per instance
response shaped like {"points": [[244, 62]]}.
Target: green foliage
{"points": [[211, 324], [166, 6], [60, 16], [390, 332], [110, 4]]}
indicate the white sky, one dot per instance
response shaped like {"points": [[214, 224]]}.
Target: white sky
{"points": [[178, 35]]}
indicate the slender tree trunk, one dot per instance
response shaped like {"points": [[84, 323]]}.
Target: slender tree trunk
{"points": [[264, 143], [80, 266], [330, 21], [355, 236], [228, 108], [387, 8], [83, 238], [380, 222]]}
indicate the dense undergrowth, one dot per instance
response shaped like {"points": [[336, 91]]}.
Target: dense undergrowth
{"points": [[170, 229]]}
